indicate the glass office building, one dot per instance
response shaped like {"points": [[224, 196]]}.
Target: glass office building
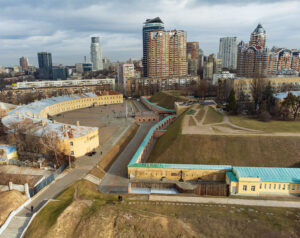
{"points": [[149, 25]]}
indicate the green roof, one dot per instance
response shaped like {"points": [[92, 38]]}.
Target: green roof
{"points": [[231, 176], [269, 174], [182, 166]]}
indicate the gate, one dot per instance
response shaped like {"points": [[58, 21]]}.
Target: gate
{"points": [[212, 189]]}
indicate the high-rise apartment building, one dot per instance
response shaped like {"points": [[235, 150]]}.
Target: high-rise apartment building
{"points": [[96, 54], [24, 63], [149, 25], [166, 53], [228, 52], [192, 50], [45, 65], [255, 60]]}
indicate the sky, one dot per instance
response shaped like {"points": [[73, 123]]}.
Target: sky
{"points": [[64, 27]]}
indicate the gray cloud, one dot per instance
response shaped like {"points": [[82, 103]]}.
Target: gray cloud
{"points": [[64, 27]]}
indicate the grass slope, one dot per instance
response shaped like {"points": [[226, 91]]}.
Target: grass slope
{"points": [[213, 116], [173, 147], [269, 127], [139, 218], [165, 100]]}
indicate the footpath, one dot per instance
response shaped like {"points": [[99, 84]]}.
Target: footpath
{"points": [[226, 201]]}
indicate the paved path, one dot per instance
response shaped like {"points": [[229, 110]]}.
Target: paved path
{"points": [[116, 179], [231, 201]]}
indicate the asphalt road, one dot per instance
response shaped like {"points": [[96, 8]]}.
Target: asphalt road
{"points": [[116, 179]]}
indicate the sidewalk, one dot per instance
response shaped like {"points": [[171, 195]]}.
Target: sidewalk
{"points": [[228, 201]]}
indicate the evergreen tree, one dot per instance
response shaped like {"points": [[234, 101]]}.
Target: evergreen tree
{"points": [[231, 106], [268, 97]]}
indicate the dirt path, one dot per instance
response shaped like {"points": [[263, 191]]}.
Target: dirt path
{"points": [[226, 127]]}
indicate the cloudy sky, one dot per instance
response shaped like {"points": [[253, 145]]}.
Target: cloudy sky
{"points": [[64, 27]]}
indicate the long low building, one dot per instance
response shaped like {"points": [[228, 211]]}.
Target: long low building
{"points": [[245, 181], [74, 140], [63, 83]]}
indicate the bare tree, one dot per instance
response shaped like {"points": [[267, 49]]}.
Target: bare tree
{"points": [[258, 86]]}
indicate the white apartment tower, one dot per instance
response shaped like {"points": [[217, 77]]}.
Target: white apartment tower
{"points": [[228, 52], [96, 55]]}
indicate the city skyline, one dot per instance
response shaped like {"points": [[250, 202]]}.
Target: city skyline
{"points": [[41, 26]]}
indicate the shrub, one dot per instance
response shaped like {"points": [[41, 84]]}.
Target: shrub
{"points": [[265, 116]]}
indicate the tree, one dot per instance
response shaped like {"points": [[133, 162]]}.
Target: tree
{"points": [[268, 97], [258, 86], [292, 102], [231, 106]]}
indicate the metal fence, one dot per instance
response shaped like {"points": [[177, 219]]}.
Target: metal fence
{"points": [[47, 180]]}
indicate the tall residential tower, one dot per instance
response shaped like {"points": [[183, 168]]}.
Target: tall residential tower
{"points": [[45, 65], [96, 55], [149, 25], [228, 52]]}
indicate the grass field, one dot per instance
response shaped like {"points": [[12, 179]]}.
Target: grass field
{"points": [[106, 217], [275, 151], [166, 100], [268, 127], [200, 114], [213, 116]]}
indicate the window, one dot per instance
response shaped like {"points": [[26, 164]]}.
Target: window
{"points": [[71, 143], [252, 188], [260, 186], [293, 187], [72, 152], [270, 186], [279, 185], [298, 187], [283, 187], [274, 186], [265, 186], [288, 187], [245, 188]]}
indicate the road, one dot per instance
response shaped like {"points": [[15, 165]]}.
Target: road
{"points": [[140, 106], [228, 201], [116, 179]]}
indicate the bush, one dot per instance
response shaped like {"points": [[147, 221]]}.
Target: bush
{"points": [[265, 116]]}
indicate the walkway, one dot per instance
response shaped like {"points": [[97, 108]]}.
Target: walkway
{"points": [[228, 201], [116, 179]]}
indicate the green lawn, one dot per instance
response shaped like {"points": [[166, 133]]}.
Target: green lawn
{"points": [[213, 116], [268, 127], [192, 122], [200, 114], [165, 100]]}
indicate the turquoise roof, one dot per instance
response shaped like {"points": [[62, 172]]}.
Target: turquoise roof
{"points": [[231, 176], [145, 141], [162, 108], [182, 166], [269, 174]]}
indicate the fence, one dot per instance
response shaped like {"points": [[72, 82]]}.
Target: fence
{"points": [[212, 189], [47, 180]]}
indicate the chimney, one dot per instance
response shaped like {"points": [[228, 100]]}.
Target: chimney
{"points": [[77, 123]]}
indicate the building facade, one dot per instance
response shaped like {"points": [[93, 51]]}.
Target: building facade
{"points": [[24, 63], [166, 53], [149, 25], [192, 51], [96, 54], [256, 60], [45, 65], [228, 52], [74, 140]]}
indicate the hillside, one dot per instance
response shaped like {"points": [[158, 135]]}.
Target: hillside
{"points": [[166, 99], [237, 150], [81, 211]]}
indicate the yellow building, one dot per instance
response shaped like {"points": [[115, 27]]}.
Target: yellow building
{"points": [[278, 84], [74, 140], [257, 181]]}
